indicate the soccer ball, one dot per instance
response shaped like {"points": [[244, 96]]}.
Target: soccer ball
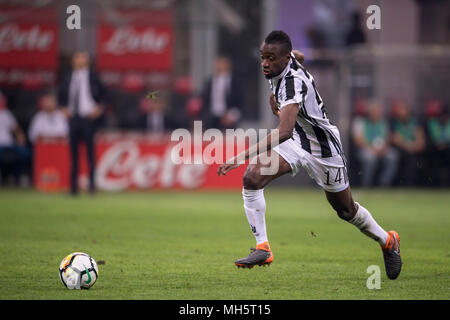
{"points": [[78, 271]]}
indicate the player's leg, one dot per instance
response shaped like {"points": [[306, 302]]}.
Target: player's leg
{"points": [[254, 181], [348, 210], [254, 176], [333, 179]]}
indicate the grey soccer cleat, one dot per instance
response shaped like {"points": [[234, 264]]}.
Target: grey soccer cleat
{"points": [[391, 255], [260, 256]]}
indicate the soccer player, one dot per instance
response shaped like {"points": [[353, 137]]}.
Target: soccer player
{"points": [[306, 139]]}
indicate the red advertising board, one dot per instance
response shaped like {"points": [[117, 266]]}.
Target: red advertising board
{"points": [[124, 163], [28, 39], [144, 43]]}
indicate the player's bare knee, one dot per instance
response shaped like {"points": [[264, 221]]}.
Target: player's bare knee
{"points": [[345, 207], [252, 180], [344, 214]]}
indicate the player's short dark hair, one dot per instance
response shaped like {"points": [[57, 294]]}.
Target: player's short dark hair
{"points": [[279, 37]]}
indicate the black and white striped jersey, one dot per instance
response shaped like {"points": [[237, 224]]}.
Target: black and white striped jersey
{"points": [[316, 134]]}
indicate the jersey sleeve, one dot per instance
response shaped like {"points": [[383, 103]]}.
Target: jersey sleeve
{"points": [[290, 91]]}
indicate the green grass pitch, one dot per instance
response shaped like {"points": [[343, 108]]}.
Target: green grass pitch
{"points": [[182, 245]]}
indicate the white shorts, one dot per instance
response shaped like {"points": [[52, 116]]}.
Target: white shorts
{"points": [[329, 173]]}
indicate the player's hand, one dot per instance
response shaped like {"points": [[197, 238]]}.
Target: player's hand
{"points": [[273, 106], [224, 168], [95, 113]]}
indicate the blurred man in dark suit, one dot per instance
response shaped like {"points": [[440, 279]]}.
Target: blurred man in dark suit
{"points": [[81, 95], [155, 116], [222, 109]]}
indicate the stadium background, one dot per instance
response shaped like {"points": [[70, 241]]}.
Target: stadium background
{"points": [[402, 61], [407, 59]]}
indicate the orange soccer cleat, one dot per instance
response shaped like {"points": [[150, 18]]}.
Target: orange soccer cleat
{"points": [[391, 255], [260, 256]]}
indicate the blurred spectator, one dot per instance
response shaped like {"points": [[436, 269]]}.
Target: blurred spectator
{"points": [[358, 113], [371, 137], [81, 94], [331, 22], [14, 154], [127, 110], [222, 98], [438, 150], [192, 110], [48, 122], [408, 138], [154, 108], [186, 106], [356, 34], [127, 101]]}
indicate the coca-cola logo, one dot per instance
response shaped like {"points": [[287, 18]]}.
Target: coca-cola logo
{"points": [[122, 166], [128, 40], [12, 37]]}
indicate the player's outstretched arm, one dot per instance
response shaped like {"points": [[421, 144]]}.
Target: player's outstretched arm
{"points": [[288, 116], [273, 105]]}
